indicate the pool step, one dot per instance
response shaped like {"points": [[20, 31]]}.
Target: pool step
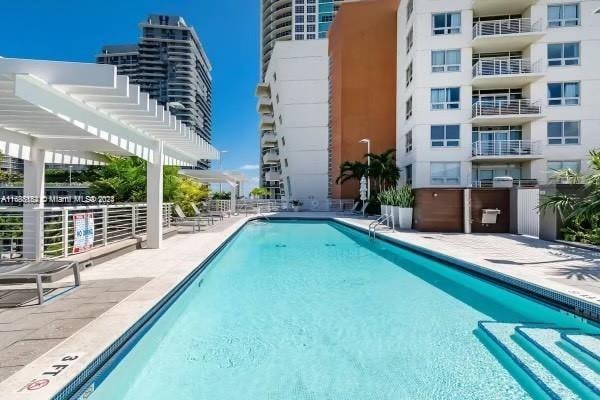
{"points": [[586, 344], [548, 342], [504, 335]]}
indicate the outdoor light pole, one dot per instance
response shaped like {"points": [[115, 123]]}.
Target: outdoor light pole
{"points": [[221, 167], [368, 142], [70, 174]]}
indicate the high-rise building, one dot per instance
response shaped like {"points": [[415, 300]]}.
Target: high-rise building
{"points": [[283, 20], [490, 89], [362, 80], [288, 20], [169, 63], [293, 103]]}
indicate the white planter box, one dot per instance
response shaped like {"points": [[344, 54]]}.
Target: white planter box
{"points": [[404, 217]]}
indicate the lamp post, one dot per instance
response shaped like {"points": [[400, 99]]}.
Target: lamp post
{"points": [[368, 142], [221, 167], [70, 175]]}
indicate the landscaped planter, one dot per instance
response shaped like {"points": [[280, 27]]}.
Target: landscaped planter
{"points": [[404, 216], [397, 203]]}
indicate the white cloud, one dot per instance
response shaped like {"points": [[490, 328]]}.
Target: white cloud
{"points": [[249, 167]]}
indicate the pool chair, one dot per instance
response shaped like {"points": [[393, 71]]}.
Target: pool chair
{"points": [[355, 210], [182, 220], [23, 271], [205, 213], [350, 211]]}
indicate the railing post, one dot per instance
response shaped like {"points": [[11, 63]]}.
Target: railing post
{"points": [[65, 231], [133, 219], [105, 225]]}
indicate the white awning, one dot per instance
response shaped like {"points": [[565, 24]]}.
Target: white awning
{"points": [[208, 177], [79, 110]]}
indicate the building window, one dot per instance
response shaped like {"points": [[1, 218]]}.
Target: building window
{"points": [[563, 54], [564, 132], [285, 162], [409, 107], [299, 19], [280, 120], [299, 28], [298, 37], [552, 167], [408, 142], [409, 40], [409, 73], [563, 94], [277, 98], [563, 15], [310, 18], [409, 175], [445, 98], [409, 9], [275, 76], [310, 36], [299, 9], [445, 135], [445, 173], [311, 9], [446, 23], [283, 140], [311, 28], [445, 61]]}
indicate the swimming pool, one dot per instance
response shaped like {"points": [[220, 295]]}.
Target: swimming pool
{"points": [[314, 310]]}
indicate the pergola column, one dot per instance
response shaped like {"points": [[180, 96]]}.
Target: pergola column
{"points": [[154, 199], [33, 221]]}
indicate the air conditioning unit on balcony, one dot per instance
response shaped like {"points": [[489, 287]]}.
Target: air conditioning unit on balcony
{"points": [[502, 182]]}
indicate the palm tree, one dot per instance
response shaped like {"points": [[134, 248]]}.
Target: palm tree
{"points": [[351, 170], [580, 211], [383, 169]]}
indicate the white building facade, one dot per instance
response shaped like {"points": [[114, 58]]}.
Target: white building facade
{"points": [[293, 104], [496, 88]]}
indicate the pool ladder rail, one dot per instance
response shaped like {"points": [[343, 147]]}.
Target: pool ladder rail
{"points": [[382, 220]]}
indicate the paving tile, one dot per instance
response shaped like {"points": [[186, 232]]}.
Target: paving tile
{"points": [[59, 329], [5, 372], [90, 310], [32, 321], [14, 314], [25, 351], [9, 337]]}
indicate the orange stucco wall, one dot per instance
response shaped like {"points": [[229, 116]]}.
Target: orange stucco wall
{"points": [[362, 51]]}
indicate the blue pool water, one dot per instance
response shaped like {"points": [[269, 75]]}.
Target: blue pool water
{"points": [[314, 310]]}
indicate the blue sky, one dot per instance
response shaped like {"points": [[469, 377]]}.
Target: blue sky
{"points": [[75, 30]]}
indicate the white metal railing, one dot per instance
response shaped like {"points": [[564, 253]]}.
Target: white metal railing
{"points": [[517, 183], [112, 223], [11, 232], [505, 66], [268, 138], [272, 176], [505, 107], [508, 26], [506, 148], [223, 206]]}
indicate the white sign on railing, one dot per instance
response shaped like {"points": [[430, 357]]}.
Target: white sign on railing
{"points": [[83, 224]]}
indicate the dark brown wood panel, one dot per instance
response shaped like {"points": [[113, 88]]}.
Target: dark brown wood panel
{"points": [[438, 210], [490, 198]]}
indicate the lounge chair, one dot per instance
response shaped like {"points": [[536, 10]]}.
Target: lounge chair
{"points": [[352, 210], [18, 271], [362, 210], [182, 220], [209, 215]]}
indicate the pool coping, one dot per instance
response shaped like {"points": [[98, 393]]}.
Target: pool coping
{"points": [[76, 382]]}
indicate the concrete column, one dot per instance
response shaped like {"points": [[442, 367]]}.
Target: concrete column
{"points": [[154, 197], [234, 194], [33, 189]]}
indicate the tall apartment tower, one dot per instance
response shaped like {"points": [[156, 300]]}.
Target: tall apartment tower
{"points": [[288, 20], [491, 89], [169, 63]]}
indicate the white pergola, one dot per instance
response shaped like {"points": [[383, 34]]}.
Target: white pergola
{"points": [[73, 113], [232, 178]]}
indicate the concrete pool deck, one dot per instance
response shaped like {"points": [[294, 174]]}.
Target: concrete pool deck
{"points": [[74, 338]]}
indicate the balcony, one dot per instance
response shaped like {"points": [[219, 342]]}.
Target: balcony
{"points": [[514, 150], [271, 157], [506, 73], [268, 140], [264, 106], [505, 34], [263, 90], [517, 183], [496, 7], [507, 112], [267, 122], [272, 176]]}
